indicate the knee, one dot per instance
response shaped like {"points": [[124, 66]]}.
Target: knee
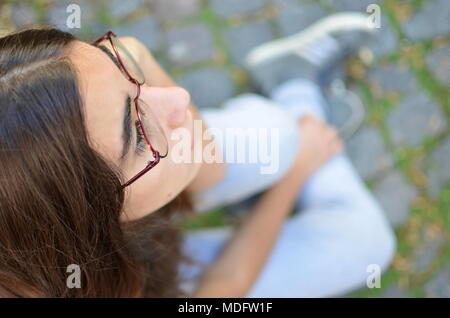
{"points": [[374, 234], [377, 238], [384, 247]]}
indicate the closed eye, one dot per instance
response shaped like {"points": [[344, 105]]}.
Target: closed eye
{"points": [[141, 144], [126, 131]]}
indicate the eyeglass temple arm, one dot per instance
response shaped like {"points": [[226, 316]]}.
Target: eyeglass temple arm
{"points": [[149, 166]]}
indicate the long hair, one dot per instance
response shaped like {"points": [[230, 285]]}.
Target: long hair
{"points": [[60, 200]]}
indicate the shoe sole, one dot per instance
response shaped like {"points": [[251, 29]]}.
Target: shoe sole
{"points": [[357, 109]]}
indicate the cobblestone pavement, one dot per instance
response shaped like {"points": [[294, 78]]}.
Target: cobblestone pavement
{"points": [[403, 149]]}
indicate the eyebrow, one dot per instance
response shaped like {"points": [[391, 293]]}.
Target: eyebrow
{"points": [[126, 132]]}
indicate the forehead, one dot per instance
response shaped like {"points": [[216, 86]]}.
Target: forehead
{"points": [[104, 90]]}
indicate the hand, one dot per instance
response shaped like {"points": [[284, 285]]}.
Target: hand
{"points": [[318, 143]]}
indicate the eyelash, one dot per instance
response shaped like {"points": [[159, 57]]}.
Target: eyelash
{"points": [[141, 145]]}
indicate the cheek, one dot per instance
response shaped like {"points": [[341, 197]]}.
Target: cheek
{"points": [[161, 184], [155, 189]]}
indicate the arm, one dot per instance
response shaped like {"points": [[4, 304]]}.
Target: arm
{"points": [[210, 173], [243, 258], [239, 265]]}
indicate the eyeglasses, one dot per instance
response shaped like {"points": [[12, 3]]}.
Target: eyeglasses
{"points": [[147, 123]]}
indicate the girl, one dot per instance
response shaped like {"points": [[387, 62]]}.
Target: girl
{"points": [[87, 178]]}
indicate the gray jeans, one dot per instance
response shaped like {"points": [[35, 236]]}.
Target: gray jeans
{"points": [[324, 250]]}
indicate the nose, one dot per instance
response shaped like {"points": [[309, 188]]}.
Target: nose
{"points": [[170, 104]]}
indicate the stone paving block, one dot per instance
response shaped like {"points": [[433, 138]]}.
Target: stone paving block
{"points": [[430, 21], [190, 44], [392, 78], [293, 19], [241, 39], [438, 62], [368, 153], [385, 40], [284, 4], [395, 292], [229, 8], [352, 5], [416, 118], [169, 10], [395, 196], [439, 285], [209, 87], [23, 15], [121, 8], [438, 175], [426, 254], [146, 29]]}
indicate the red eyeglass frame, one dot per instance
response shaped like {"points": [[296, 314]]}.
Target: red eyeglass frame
{"points": [[124, 70]]}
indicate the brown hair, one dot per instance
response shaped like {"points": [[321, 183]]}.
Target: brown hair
{"points": [[60, 201]]}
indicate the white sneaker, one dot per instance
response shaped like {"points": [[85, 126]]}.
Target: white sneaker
{"points": [[316, 43]]}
